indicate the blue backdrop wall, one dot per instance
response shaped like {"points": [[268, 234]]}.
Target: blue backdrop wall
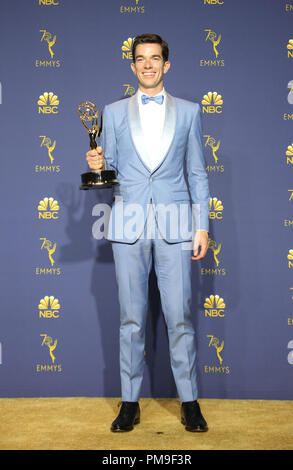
{"points": [[59, 325]]}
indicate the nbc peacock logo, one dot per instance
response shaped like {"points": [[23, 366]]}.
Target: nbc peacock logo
{"points": [[216, 208], [48, 208], [214, 306], [127, 49], [49, 307], [213, 2], [290, 48], [48, 2], [212, 103], [48, 103], [289, 154], [290, 258]]}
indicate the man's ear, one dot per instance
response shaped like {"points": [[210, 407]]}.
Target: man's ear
{"points": [[167, 66], [133, 68]]}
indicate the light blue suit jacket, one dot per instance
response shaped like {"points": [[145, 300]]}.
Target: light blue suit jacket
{"points": [[181, 208]]}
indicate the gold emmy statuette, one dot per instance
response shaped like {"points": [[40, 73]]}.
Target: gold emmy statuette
{"points": [[88, 113]]}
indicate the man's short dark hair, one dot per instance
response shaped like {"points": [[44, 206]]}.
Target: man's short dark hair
{"points": [[151, 39]]}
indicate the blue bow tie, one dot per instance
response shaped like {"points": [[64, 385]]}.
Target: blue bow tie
{"points": [[158, 99]]}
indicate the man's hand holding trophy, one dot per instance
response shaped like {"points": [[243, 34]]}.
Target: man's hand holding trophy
{"points": [[99, 177]]}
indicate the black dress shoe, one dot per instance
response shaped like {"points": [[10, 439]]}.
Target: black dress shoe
{"points": [[128, 416], [192, 418]]}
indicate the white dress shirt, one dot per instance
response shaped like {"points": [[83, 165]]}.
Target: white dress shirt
{"points": [[152, 118]]}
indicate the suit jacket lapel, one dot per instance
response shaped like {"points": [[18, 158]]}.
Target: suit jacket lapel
{"points": [[168, 129], [137, 134], [136, 130]]}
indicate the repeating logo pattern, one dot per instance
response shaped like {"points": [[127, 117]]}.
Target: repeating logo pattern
{"points": [[289, 154], [48, 103], [127, 48], [216, 208], [49, 307], [214, 307], [212, 103], [47, 3], [48, 208]]}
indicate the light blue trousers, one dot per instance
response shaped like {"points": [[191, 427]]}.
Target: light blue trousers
{"points": [[173, 270]]}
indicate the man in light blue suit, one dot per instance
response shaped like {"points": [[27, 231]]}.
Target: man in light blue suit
{"points": [[148, 139]]}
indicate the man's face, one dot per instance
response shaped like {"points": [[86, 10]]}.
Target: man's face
{"points": [[149, 67]]}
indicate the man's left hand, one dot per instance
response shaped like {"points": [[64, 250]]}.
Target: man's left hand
{"points": [[200, 240]]}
